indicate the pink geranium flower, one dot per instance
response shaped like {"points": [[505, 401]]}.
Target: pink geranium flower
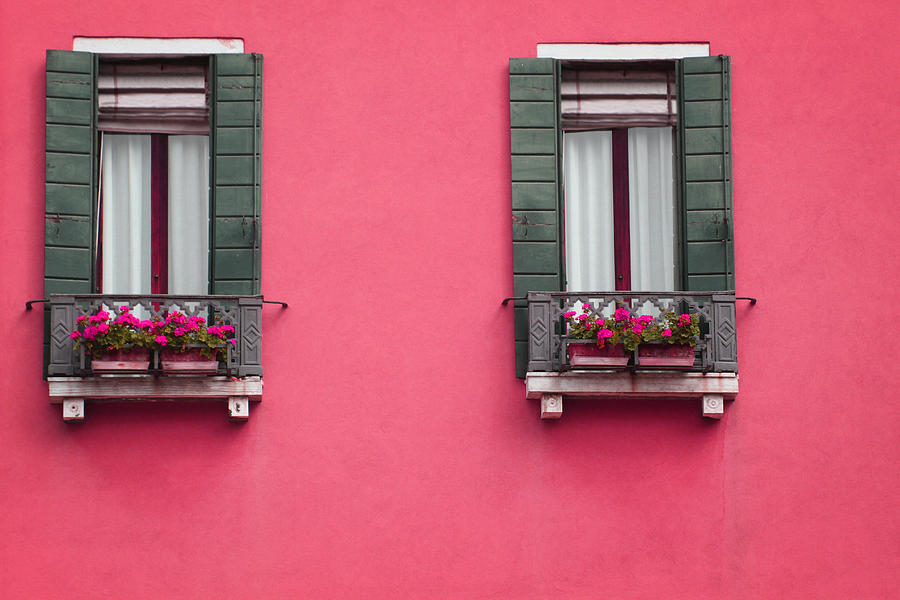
{"points": [[667, 333], [161, 340], [74, 335], [622, 314], [570, 314], [230, 329]]}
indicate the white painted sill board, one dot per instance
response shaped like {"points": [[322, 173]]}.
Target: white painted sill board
{"points": [[623, 384], [148, 387]]}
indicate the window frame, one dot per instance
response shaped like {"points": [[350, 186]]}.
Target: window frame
{"points": [[703, 180]]}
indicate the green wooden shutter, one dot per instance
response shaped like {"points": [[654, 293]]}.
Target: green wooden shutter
{"points": [[235, 176], [704, 150], [536, 220], [71, 173], [70, 179]]}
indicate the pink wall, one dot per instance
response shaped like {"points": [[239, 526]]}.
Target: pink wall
{"points": [[381, 468]]}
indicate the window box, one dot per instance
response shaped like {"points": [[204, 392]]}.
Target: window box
{"points": [[665, 356], [190, 361], [126, 360], [591, 356]]}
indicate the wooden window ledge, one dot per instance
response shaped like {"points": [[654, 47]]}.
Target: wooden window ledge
{"points": [[73, 392], [712, 389]]}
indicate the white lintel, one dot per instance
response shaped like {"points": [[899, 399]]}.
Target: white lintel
{"points": [[141, 45], [618, 51]]}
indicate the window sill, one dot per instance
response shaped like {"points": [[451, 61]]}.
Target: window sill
{"points": [[711, 388], [73, 392]]}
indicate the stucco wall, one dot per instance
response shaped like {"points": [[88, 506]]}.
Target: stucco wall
{"points": [[394, 454]]}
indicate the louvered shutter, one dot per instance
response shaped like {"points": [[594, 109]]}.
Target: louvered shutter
{"points": [[704, 159], [534, 143], [235, 176], [70, 181]]}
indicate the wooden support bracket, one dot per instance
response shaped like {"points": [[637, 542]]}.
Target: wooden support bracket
{"points": [[73, 409], [238, 408], [551, 406], [713, 406]]}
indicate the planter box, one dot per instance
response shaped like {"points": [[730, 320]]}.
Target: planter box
{"points": [[191, 361], [131, 360], [592, 356], [665, 356]]}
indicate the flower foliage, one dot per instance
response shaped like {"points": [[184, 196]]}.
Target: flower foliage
{"points": [[105, 332], [673, 328], [631, 330], [180, 332]]}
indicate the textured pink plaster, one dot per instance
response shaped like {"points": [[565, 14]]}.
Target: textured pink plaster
{"points": [[379, 467]]}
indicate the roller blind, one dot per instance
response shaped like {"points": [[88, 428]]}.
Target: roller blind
{"points": [[156, 96], [595, 96]]}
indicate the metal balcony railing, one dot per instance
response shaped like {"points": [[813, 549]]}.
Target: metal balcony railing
{"points": [[547, 332], [244, 313]]}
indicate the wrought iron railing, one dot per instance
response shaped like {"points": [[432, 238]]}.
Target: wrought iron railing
{"points": [[547, 332], [244, 313]]}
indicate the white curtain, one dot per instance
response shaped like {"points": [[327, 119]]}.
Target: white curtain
{"points": [[188, 214], [125, 194], [587, 172], [126, 206], [652, 208]]}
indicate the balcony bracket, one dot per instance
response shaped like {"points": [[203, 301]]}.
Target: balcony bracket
{"points": [[73, 409], [713, 406], [238, 408], [551, 406]]}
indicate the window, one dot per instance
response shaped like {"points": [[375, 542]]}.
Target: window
{"points": [[78, 236], [545, 143], [74, 205]]}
